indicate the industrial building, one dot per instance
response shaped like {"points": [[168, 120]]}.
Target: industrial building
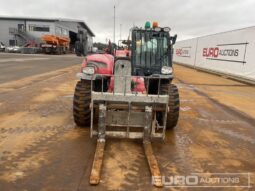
{"points": [[22, 30]]}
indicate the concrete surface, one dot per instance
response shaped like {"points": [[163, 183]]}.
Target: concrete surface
{"points": [[42, 149], [16, 66]]}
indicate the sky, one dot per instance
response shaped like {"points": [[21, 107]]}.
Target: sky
{"points": [[186, 18]]}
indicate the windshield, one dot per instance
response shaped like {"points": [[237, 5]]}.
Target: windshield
{"points": [[151, 49]]}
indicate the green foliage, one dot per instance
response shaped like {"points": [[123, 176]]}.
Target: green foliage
{"points": [[100, 46]]}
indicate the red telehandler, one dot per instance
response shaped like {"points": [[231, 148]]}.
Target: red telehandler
{"points": [[129, 97]]}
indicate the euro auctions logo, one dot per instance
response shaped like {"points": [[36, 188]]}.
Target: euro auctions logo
{"points": [[215, 52], [183, 51], [206, 180], [234, 52]]}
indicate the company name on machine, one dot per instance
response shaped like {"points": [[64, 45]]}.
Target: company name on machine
{"points": [[215, 52]]}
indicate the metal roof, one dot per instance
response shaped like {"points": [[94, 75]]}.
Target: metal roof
{"points": [[81, 22]]}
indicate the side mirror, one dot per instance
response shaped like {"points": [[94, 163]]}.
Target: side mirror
{"points": [[173, 39]]}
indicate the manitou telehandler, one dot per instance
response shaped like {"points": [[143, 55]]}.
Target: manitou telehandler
{"points": [[129, 97]]}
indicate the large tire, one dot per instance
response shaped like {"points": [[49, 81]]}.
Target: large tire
{"points": [[81, 103], [173, 104]]}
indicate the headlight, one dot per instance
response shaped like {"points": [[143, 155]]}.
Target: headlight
{"points": [[166, 29], [166, 70], [88, 70]]}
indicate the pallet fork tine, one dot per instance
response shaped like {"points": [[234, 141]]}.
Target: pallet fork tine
{"points": [[153, 164], [99, 154], [97, 163], [152, 161]]}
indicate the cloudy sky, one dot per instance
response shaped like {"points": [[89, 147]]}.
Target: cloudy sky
{"points": [[187, 18]]}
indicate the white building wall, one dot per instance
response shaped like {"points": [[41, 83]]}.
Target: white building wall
{"points": [[5, 36], [38, 34], [72, 26]]}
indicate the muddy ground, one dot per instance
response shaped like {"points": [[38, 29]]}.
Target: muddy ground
{"points": [[42, 149]]}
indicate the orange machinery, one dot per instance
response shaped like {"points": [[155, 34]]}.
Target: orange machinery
{"points": [[55, 44]]}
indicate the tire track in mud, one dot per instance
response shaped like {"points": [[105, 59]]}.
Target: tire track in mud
{"points": [[125, 166], [226, 127], [174, 153], [184, 138], [42, 135], [38, 132], [9, 161], [11, 103], [138, 174], [235, 117], [223, 107], [38, 136], [18, 130], [45, 121], [219, 121], [27, 82]]}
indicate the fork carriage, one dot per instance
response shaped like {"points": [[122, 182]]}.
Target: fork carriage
{"points": [[124, 113], [132, 112]]}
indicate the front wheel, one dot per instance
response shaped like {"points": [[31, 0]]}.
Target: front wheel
{"points": [[173, 104], [81, 103]]}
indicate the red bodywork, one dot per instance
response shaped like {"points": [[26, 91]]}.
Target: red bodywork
{"points": [[138, 84], [123, 53], [103, 63]]}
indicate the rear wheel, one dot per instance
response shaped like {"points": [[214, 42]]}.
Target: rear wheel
{"points": [[173, 104], [81, 103]]}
